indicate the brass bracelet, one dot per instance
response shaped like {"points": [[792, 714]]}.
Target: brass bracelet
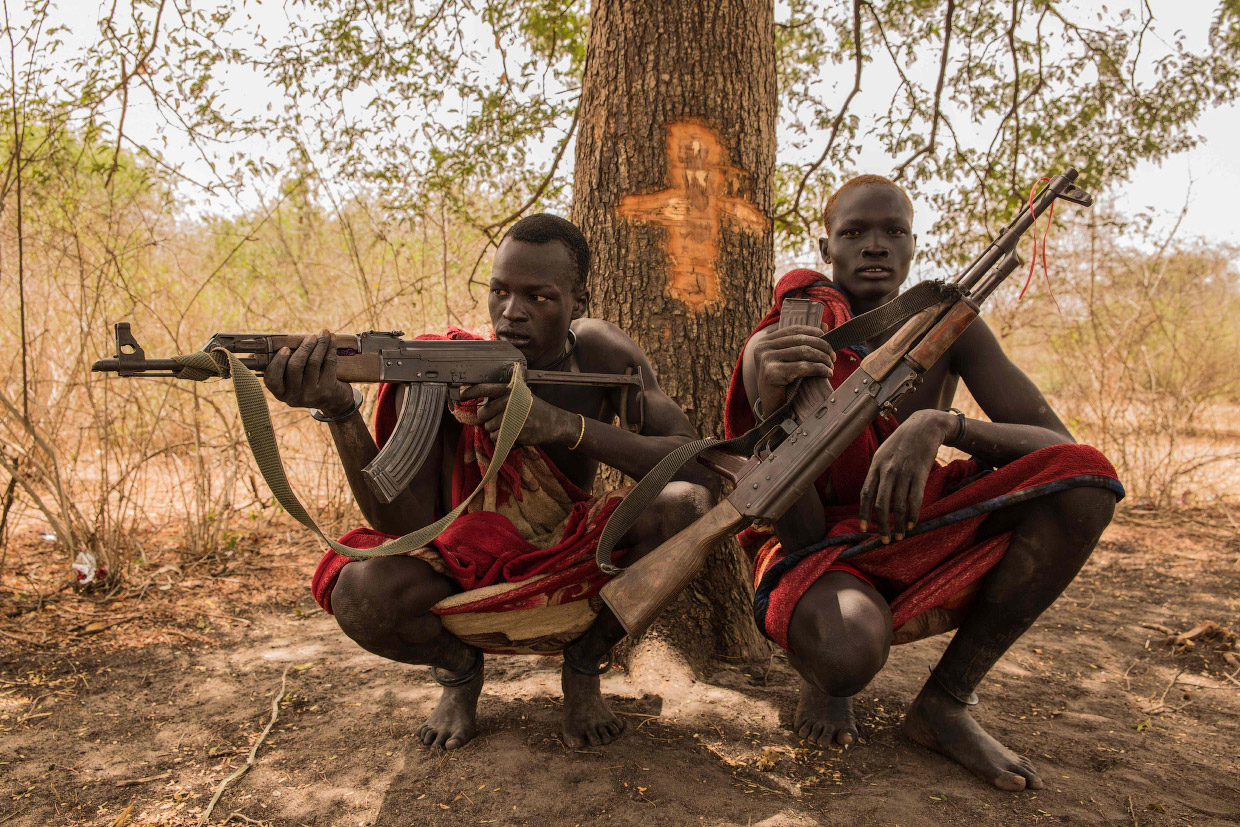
{"points": [[581, 435]]}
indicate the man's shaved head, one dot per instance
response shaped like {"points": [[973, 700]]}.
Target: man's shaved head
{"points": [[858, 181]]}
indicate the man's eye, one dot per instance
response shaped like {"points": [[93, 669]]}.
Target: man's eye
{"points": [[499, 292], [897, 231], [540, 298], [850, 233]]}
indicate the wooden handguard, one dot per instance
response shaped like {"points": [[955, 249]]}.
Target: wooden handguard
{"points": [[639, 595], [943, 335], [879, 363]]}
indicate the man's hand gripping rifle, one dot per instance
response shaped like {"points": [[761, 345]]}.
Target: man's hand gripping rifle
{"points": [[816, 424], [432, 371]]}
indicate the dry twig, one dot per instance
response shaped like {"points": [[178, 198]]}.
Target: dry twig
{"points": [[249, 759], [133, 782]]}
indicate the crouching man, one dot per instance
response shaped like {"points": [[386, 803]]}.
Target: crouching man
{"points": [[982, 545], [516, 572]]}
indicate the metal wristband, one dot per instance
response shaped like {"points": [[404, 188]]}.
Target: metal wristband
{"points": [[343, 415], [955, 439]]}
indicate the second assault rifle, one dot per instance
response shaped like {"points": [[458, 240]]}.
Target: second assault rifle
{"points": [[432, 372], [816, 424]]}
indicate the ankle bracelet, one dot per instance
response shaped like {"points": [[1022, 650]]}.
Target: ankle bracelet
{"points": [[452, 681], [968, 699], [574, 662]]}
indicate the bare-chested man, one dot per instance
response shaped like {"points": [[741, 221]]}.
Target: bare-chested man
{"points": [[998, 562], [537, 296]]}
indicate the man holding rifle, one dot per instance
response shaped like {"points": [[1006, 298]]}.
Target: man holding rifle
{"points": [[1017, 521], [535, 522]]}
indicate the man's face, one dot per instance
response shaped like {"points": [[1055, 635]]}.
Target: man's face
{"points": [[533, 299], [871, 243]]}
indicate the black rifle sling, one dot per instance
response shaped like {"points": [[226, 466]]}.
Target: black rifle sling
{"points": [[854, 331]]}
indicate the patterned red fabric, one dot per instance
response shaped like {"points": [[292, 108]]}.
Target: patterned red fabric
{"points": [[483, 547], [936, 570]]}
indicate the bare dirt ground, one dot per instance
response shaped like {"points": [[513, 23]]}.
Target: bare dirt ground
{"points": [[134, 711]]}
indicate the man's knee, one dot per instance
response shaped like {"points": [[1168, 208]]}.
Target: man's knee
{"points": [[1085, 512], [679, 505], [376, 599], [841, 636], [1070, 523]]}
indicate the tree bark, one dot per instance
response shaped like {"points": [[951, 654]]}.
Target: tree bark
{"points": [[673, 190]]}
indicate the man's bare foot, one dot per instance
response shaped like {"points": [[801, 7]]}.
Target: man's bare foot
{"points": [[941, 723], [587, 720], [453, 723], [823, 719]]}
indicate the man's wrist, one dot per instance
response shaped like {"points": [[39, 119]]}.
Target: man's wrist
{"points": [[339, 413], [953, 423]]}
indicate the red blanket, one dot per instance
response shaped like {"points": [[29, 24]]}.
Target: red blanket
{"points": [[531, 520], [929, 578]]}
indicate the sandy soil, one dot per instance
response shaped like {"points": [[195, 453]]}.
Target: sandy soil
{"points": [[139, 722]]}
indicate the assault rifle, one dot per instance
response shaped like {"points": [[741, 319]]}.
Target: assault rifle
{"points": [[815, 425], [432, 372]]}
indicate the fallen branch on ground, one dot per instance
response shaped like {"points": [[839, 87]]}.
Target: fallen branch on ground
{"points": [[249, 759], [1209, 630]]}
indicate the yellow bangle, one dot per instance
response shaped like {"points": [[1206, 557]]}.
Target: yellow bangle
{"points": [[581, 435]]}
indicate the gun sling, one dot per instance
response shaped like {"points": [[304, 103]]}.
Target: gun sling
{"points": [[854, 331], [256, 418]]}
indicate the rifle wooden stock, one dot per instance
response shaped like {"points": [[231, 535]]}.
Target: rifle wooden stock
{"points": [[640, 594]]}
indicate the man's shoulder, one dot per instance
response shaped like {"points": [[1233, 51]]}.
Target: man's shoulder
{"points": [[601, 342]]}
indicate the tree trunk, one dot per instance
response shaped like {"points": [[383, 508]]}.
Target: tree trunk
{"points": [[673, 189]]}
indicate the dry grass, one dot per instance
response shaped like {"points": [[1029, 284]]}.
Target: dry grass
{"points": [[1137, 359]]}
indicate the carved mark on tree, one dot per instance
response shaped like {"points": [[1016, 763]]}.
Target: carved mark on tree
{"points": [[704, 187]]}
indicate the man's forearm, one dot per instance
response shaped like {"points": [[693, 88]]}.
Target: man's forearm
{"points": [[803, 524], [630, 453], [999, 443]]}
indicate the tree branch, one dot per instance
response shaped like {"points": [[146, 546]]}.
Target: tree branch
{"points": [[795, 209], [936, 112], [542, 187]]}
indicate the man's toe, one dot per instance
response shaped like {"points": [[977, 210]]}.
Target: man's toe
{"points": [[1032, 780], [805, 729], [1009, 781], [845, 737]]}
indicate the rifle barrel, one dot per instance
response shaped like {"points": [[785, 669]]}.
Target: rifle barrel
{"points": [[153, 367]]}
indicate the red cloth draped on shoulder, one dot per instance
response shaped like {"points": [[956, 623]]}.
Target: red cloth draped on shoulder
{"points": [[929, 579], [531, 520]]}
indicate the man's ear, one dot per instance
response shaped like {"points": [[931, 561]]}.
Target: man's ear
{"points": [[581, 303], [914, 243], [822, 249]]}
